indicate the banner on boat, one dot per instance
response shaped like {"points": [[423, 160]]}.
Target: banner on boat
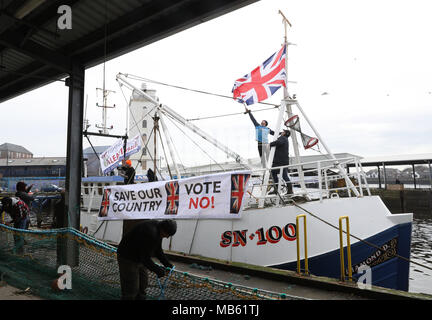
{"points": [[216, 196], [110, 158]]}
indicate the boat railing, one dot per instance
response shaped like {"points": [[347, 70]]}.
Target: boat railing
{"points": [[322, 179]]}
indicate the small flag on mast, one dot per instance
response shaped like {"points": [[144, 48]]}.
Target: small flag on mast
{"points": [[263, 81]]}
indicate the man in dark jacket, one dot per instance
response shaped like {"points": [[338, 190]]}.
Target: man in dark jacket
{"points": [[59, 211], [23, 193], [128, 172], [281, 158], [134, 254], [261, 135], [19, 213], [18, 210]]}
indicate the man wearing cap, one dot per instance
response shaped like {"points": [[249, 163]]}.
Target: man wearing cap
{"points": [[128, 172], [134, 254], [261, 135], [281, 158]]}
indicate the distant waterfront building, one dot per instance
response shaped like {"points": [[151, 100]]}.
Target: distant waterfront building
{"points": [[33, 167], [13, 151], [42, 172], [91, 161]]}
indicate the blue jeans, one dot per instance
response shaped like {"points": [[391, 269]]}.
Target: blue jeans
{"points": [[18, 239], [21, 224]]}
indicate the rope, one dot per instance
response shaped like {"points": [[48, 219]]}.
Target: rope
{"points": [[169, 118], [166, 158], [163, 287], [188, 89], [228, 114], [355, 237]]}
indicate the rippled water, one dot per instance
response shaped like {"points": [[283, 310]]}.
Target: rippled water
{"points": [[421, 252]]}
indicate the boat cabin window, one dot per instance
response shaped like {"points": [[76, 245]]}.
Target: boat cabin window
{"points": [[100, 189]]}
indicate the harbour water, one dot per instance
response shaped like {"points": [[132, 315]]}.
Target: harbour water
{"points": [[421, 252]]}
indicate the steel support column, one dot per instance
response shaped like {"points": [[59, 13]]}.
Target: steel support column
{"points": [[74, 145]]}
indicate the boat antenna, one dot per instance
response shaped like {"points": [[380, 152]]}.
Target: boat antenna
{"points": [[103, 127]]}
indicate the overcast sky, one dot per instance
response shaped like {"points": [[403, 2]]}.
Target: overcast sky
{"points": [[363, 75]]}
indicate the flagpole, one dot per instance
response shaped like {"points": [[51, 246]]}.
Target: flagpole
{"points": [[288, 103]]}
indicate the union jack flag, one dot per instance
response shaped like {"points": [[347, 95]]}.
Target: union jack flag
{"points": [[103, 211], [263, 81], [172, 189], [238, 188]]}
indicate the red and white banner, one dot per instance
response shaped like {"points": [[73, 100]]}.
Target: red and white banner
{"points": [[216, 196]]}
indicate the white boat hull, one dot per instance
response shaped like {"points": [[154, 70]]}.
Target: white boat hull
{"points": [[267, 237]]}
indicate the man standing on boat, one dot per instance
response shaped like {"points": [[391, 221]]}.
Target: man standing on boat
{"points": [[261, 134], [127, 172], [281, 158], [134, 255]]}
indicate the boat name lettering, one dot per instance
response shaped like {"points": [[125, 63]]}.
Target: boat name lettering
{"points": [[384, 253], [272, 235]]}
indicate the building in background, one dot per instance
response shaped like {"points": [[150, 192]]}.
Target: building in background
{"points": [[43, 172], [91, 160], [13, 151]]}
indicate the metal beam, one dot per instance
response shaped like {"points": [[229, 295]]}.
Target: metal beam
{"points": [[74, 145], [141, 16], [159, 26], [12, 39], [20, 87]]}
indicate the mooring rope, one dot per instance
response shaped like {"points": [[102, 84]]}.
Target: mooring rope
{"points": [[358, 238], [164, 285]]}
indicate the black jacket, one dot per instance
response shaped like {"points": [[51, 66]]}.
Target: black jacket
{"points": [[142, 243], [128, 174], [281, 153]]}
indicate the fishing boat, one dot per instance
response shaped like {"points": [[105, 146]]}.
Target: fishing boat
{"points": [[329, 225]]}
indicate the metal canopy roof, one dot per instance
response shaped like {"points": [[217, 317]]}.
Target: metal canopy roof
{"points": [[35, 52]]}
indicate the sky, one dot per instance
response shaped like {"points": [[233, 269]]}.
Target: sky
{"points": [[361, 71]]}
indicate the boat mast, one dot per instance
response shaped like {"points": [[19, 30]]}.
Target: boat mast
{"points": [[285, 105], [155, 129], [288, 102]]}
